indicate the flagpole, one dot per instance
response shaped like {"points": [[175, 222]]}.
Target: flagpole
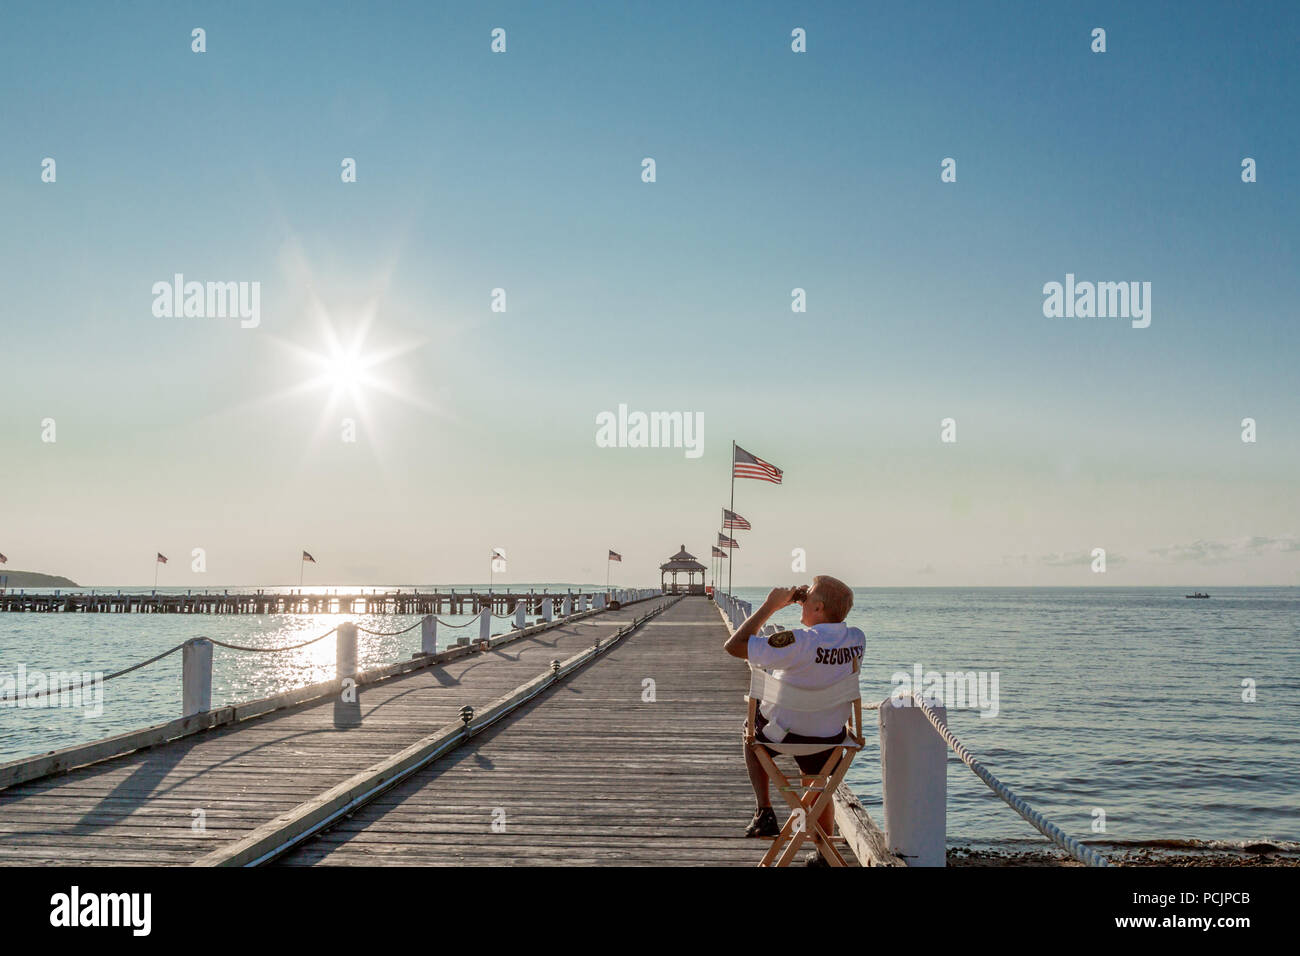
{"points": [[732, 563], [155, 572], [302, 567]]}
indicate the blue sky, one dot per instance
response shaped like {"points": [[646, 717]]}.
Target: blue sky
{"points": [[775, 170]]}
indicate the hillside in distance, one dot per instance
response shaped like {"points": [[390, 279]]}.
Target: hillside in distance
{"points": [[34, 579]]}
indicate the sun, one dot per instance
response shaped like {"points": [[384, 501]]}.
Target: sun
{"points": [[346, 370], [361, 379]]}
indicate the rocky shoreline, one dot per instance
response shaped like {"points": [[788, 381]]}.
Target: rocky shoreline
{"points": [[1257, 855]]}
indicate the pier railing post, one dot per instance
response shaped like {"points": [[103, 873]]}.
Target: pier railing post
{"points": [[347, 706], [914, 783], [548, 610], [567, 607], [196, 677], [485, 623], [429, 635], [521, 614]]}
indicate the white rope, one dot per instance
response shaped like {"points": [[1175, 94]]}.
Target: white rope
{"points": [[455, 626], [68, 689], [269, 650], [1044, 826], [366, 630]]}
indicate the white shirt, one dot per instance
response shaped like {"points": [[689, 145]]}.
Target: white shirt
{"points": [[816, 658]]}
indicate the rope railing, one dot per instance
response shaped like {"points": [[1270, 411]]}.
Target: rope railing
{"points": [[366, 630], [271, 650], [103, 680], [455, 626], [1079, 851]]}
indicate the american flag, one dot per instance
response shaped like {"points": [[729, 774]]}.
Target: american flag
{"points": [[732, 520], [162, 558], [308, 557], [3, 559], [725, 542], [745, 465], [615, 556], [498, 554], [719, 553]]}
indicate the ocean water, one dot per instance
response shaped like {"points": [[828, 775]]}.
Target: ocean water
{"points": [[1116, 705]]}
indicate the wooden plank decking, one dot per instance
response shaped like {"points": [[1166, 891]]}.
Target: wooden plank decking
{"points": [[590, 774], [140, 808]]}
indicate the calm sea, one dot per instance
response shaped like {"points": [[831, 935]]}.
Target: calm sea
{"points": [[1116, 705]]}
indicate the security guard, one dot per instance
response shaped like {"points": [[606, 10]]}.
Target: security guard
{"points": [[816, 655]]}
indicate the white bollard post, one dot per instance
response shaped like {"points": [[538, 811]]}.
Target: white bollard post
{"points": [[521, 614], [548, 610], [567, 607], [429, 635], [914, 784], [485, 623], [347, 706], [196, 677]]}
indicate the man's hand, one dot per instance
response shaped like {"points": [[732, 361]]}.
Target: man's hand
{"points": [[778, 598]]}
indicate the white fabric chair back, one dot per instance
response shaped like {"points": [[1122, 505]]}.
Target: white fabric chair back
{"points": [[763, 686]]}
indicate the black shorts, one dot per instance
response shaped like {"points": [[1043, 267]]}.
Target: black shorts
{"points": [[807, 763]]}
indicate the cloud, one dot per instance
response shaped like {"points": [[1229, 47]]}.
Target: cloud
{"points": [[1221, 552], [1070, 559]]}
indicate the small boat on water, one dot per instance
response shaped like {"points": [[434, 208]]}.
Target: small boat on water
{"points": [[1198, 594]]}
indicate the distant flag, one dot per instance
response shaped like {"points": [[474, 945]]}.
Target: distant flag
{"points": [[308, 557], [732, 520], [615, 556], [719, 553], [498, 554], [3, 559], [162, 558], [725, 542], [745, 465]]}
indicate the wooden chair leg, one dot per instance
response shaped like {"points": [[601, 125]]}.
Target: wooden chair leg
{"points": [[824, 800], [775, 776]]}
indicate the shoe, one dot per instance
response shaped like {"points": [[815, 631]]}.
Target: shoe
{"points": [[815, 859], [764, 824]]}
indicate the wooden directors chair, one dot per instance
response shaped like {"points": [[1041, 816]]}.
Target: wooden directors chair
{"points": [[809, 800]]}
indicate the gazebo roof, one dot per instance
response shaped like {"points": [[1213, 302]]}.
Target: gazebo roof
{"points": [[683, 560]]}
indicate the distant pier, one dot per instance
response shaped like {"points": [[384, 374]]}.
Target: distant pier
{"points": [[265, 602]]}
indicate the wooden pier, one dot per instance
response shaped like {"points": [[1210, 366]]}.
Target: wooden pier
{"points": [[266, 602], [625, 750]]}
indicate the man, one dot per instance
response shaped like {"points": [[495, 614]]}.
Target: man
{"points": [[817, 655]]}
